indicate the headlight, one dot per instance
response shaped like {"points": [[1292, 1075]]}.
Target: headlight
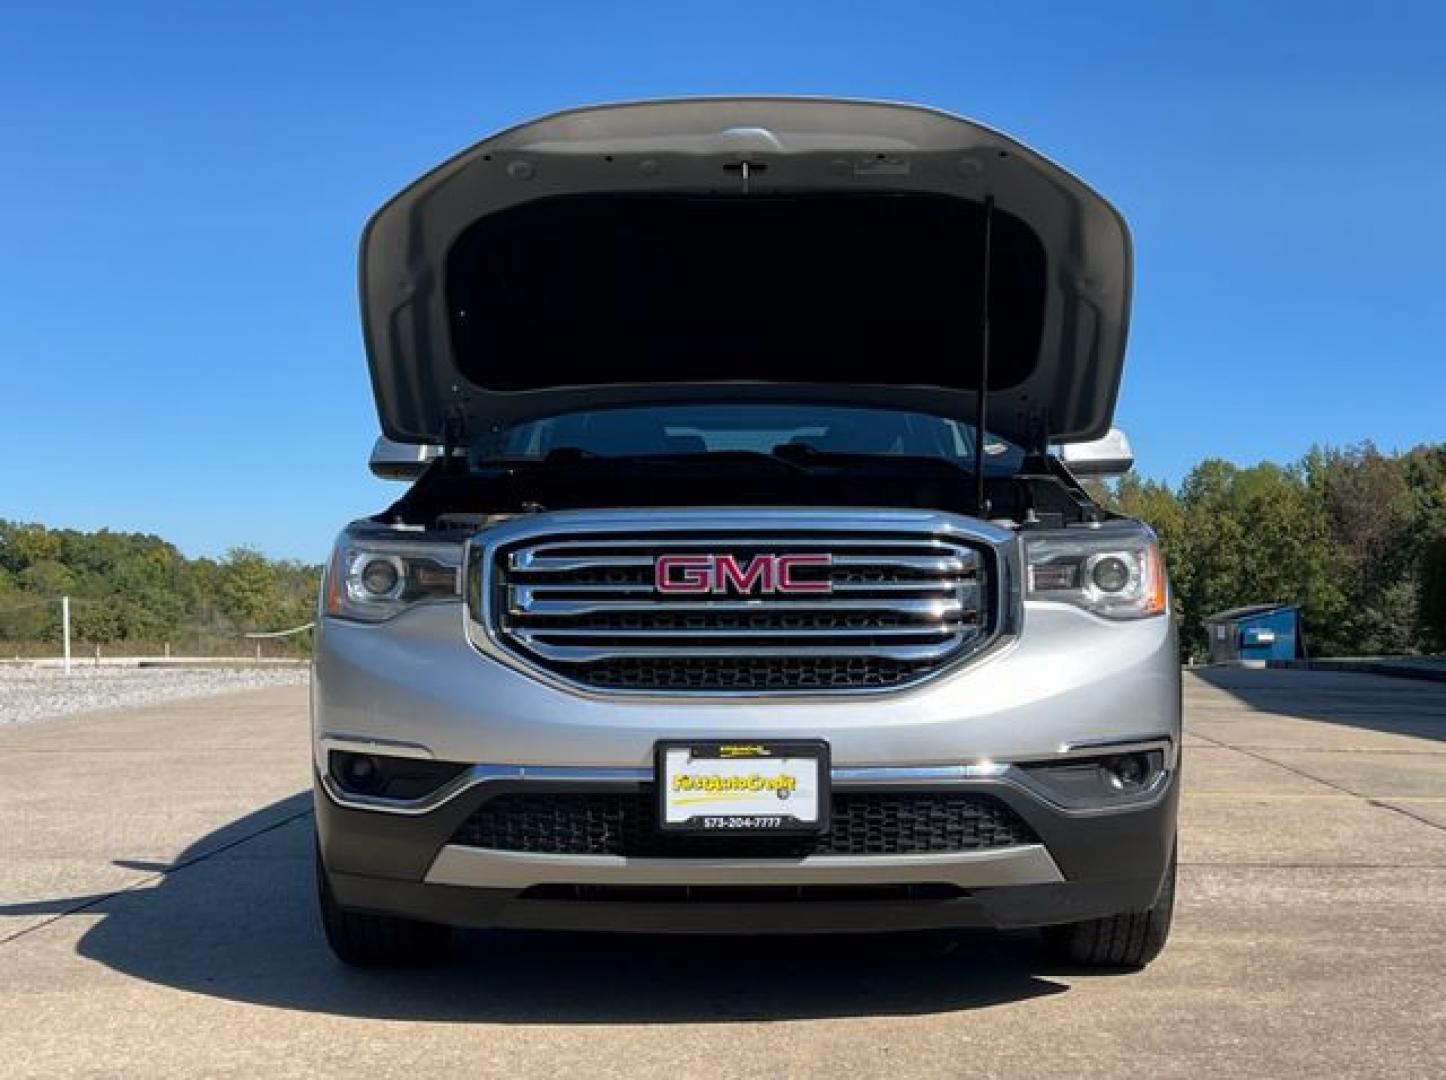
{"points": [[371, 579], [1112, 571]]}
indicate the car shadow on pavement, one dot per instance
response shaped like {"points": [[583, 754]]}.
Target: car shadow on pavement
{"points": [[1396, 706], [235, 918]]}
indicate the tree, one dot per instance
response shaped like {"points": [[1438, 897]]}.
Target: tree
{"points": [[1431, 598], [46, 577], [1257, 535], [21, 545], [1371, 514], [249, 588], [133, 588]]}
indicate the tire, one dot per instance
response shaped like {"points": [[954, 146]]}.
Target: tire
{"points": [[1126, 941], [361, 939]]}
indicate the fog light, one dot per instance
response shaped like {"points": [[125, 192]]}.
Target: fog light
{"points": [[1108, 780], [1128, 771], [361, 773]]}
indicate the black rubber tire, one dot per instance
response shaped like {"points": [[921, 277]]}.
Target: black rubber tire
{"points": [[1127, 941], [361, 939]]}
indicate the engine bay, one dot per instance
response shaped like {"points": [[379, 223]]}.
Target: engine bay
{"points": [[453, 493]]}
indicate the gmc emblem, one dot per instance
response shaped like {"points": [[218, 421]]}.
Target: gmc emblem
{"points": [[763, 574]]}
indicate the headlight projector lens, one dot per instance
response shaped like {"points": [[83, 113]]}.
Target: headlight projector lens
{"points": [[380, 578], [1110, 574]]}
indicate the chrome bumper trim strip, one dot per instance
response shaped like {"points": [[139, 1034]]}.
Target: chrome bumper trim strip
{"points": [[843, 777], [481, 774], [1027, 864], [368, 744], [1101, 747]]}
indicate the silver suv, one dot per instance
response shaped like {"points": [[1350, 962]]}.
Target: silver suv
{"points": [[746, 580]]}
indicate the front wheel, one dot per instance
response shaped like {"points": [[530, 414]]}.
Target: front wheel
{"points": [[362, 939], [1129, 940]]}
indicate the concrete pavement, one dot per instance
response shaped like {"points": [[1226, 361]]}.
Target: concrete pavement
{"points": [[156, 920]]}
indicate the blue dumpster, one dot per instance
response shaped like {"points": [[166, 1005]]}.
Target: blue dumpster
{"points": [[1257, 632]]}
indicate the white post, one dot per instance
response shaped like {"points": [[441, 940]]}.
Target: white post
{"points": [[65, 629]]}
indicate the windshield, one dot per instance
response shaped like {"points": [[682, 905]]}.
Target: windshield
{"points": [[760, 429]]}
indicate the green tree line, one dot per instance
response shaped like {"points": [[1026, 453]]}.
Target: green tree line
{"points": [[136, 591], [1355, 535]]}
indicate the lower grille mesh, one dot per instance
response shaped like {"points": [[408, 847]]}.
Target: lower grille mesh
{"points": [[754, 673], [625, 823]]}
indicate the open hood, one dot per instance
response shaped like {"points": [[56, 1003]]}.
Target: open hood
{"points": [[759, 249]]}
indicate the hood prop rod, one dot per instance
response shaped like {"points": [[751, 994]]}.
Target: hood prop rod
{"points": [[981, 396]]}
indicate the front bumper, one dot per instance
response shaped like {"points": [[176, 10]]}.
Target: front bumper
{"points": [[414, 685], [1085, 865]]}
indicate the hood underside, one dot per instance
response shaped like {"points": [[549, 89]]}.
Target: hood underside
{"points": [[746, 250]]}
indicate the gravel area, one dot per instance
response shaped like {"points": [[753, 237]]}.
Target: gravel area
{"points": [[30, 693]]}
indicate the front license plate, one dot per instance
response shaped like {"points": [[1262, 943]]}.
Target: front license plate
{"points": [[743, 787]]}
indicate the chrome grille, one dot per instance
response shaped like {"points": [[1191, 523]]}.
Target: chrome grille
{"points": [[586, 607]]}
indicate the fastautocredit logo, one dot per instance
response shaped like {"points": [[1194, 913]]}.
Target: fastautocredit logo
{"points": [[757, 576]]}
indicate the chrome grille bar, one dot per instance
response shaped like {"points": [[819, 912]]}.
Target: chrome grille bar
{"points": [[523, 599], [581, 655], [566, 634], [743, 539], [646, 589]]}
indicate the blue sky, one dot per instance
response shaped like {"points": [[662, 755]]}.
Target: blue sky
{"points": [[182, 187]]}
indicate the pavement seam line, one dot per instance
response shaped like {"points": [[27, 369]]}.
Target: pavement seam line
{"points": [[1205, 864], [150, 878], [1367, 799], [1322, 749], [1258, 756], [1406, 813], [1243, 747]]}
